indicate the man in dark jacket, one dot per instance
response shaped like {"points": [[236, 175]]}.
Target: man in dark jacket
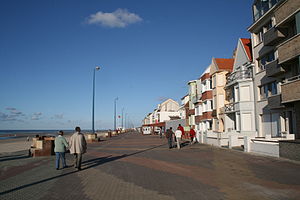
{"points": [[169, 136]]}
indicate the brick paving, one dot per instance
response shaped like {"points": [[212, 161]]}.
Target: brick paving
{"points": [[132, 166]]}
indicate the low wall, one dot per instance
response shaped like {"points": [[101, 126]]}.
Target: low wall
{"points": [[290, 149], [263, 147], [215, 139]]}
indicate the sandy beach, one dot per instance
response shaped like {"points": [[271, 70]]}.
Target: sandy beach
{"points": [[21, 143]]}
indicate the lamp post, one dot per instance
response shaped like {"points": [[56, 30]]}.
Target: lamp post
{"points": [[122, 118], [126, 120], [93, 107], [115, 110]]}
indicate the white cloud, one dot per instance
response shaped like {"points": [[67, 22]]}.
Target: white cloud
{"points": [[117, 19]]}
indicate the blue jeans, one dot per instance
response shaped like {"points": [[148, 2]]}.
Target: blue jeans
{"points": [[63, 159], [170, 142]]}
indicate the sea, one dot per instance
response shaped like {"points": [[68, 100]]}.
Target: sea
{"points": [[10, 134]]}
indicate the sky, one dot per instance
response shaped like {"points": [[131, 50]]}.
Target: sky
{"points": [[147, 52]]}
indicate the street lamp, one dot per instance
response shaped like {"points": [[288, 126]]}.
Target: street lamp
{"points": [[93, 107], [115, 110], [122, 118], [126, 120]]}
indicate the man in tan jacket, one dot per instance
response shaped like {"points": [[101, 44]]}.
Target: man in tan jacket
{"points": [[77, 146]]}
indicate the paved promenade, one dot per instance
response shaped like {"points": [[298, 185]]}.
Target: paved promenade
{"points": [[132, 166]]}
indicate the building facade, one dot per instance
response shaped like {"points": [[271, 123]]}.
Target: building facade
{"points": [[219, 69], [275, 35], [203, 109], [240, 109]]}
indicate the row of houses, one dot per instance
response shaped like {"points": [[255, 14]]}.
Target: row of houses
{"points": [[252, 99]]}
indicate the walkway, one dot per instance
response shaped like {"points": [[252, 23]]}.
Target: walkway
{"points": [[132, 166]]}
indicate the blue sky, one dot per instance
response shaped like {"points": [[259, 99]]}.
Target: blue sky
{"points": [[147, 50]]}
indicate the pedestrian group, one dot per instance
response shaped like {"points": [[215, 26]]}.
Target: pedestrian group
{"points": [[77, 146], [178, 136]]}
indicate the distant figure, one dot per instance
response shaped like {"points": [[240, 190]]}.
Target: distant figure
{"points": [[169, 136], [77, 147], [27, 138], [182, 130], [178, 134], [192, 134], [60, 146], [160, 132]]}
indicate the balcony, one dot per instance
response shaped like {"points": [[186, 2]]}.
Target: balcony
{"points": [[274, 102], [198, 119], [194, 98], [272, 36], [289, 49], [286, 9], [205, 76], [207, 95], [206, 115], [273, 69], [290, 90], [239, 75], [229, 108], [191, 112]]}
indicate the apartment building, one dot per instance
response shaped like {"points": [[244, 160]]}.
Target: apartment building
{"points": [[219, 69], [203, 108], [275, 35], [193, 100], [240, 110]]}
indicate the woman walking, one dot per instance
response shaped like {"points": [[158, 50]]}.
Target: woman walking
{"points": [[60, 146]]}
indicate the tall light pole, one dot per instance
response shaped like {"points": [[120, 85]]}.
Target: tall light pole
{"points": [[126, 120], [115, 110], [122, 118], [93, 107]]}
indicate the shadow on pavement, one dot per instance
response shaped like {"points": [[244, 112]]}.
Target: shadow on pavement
{"points": [[86, 165]]}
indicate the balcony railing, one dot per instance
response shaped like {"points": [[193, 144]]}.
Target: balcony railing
{"points": [[289, 49], [286, 9], [272, 36], [274, 102], [290, 90], [229, 108], [273, 69], [239, 75]]}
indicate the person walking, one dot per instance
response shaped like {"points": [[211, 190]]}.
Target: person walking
{"points": [[178, 134], [60, 146], [192, 134], [169, 136], [78, 147], [182, 130], [160, 132]]}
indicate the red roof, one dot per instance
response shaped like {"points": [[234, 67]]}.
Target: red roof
{"points": [[225, 63], [247, 45]]}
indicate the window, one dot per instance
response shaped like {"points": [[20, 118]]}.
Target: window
{"points": [[268, 90], [209, 125], [214, 81], [221, 100], [269, 57], [259, 37], [267, 26], [273, 88], [214, 101], [245, 93], [263, 93], [210, 105], [261, 7]]}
